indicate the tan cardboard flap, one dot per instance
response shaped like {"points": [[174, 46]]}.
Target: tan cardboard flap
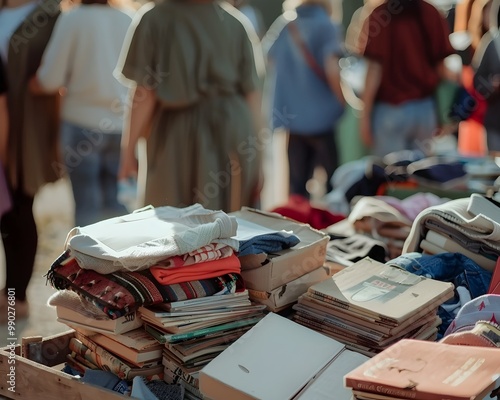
{"points": [[290, 292]]}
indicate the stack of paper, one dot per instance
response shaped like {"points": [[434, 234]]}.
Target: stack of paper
{"points": [[370, 305]]}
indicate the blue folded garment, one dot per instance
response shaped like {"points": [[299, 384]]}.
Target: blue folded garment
{"points": [[267, 243]]}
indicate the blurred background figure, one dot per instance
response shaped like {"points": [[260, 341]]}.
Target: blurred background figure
{"points": [[486, 65], [472, 22], [404, 43], [196, 101], [32, 142], [303, 48], [4, 131], [80, 59]]}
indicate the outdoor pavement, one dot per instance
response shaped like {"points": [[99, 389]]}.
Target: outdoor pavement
{"points": [[53, 211]]}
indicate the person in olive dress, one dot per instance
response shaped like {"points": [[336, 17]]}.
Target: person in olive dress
{"points": [[195, 69]]}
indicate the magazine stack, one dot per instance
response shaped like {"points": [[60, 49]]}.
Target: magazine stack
{"points": [[369, 306]]}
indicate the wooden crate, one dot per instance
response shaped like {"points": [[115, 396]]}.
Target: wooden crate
{"points": [[35, 379]]}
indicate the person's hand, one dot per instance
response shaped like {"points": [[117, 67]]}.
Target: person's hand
{"points": [[128, 166]]}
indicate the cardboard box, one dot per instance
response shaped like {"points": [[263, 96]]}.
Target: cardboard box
{"points": [[286, 265], [279, 359], [287, 294], [35, 372]]}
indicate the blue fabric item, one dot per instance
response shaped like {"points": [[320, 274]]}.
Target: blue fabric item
{"points": [[155, 390], [437, 170], [302, 101], [140, 390], [447, 267], [405, 126], [93, 174], [105, 379], [68, 369], [268, 244]]}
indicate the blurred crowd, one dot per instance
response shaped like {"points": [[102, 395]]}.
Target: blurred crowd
{"points": [[181, 99]]}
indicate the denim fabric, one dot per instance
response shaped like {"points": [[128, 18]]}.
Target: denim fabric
{"points": [[301, 101], [407, 126], [91, 159], [447, 267]]}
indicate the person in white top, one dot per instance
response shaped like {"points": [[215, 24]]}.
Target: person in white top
{"points": [[80, 58]]}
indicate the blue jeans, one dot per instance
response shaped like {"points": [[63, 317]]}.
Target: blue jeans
{"points": [[407, 126], [447, 267], [91, 159]]}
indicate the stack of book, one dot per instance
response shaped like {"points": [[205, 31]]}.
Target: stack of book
{"points": [[369, 306], [134, 353], [195, 331], [423, 370], [119, 345]]}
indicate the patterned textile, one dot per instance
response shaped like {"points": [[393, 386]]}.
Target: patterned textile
{"points": [[211, 252], [140, 239], [122, 292]]}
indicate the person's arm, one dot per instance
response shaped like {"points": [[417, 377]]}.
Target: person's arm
{"points": [[57, 59], [332, 72], [254, 101], [486, 72], [137, 125], [372, 84], [4, 129]]}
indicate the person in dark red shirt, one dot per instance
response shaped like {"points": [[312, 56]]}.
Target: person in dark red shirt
{"points": [[404, 43]]}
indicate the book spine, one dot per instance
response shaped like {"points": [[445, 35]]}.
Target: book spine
{"points": [[217, 328], [178, 371], [332, 300], [100, 357], [334, 323], [380, 319], [172, 378], [318, 326], [391, 391], [160, 338]]}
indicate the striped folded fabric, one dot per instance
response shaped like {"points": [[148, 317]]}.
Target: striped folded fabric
{"points": [[121, 292]]}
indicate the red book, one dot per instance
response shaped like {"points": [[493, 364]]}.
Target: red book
{"points": [[424, 370]]}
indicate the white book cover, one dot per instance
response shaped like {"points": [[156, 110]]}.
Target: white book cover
{"points": [[273, 360]]}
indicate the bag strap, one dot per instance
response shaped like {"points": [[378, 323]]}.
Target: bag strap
{"points": [[309, 58]]}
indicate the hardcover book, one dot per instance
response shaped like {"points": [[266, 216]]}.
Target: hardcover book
{"points": [[137, 347], [424, 370], [119, 325], [102, 358], [386, 292]]}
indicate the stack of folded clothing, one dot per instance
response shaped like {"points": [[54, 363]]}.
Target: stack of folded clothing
{"points": [[384, 221], [468, 226], [151, 257]]}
